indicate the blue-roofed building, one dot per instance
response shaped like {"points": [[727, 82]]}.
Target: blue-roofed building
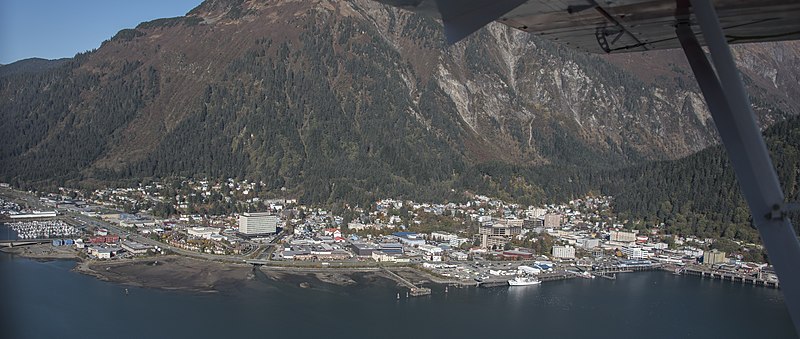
{"points": [[409, 238], [391, 248]]}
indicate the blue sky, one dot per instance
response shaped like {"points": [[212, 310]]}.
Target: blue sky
{"points": [[54, 29]]}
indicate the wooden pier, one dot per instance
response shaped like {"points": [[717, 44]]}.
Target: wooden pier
{"points": [[414, 291], [730, 276]]}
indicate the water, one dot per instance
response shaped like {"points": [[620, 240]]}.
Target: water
{"points": [[46, 299], [6, 233]]}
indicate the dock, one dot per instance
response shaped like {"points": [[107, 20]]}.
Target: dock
{"points": [[551, 276], [414, 291], [704, 273], [612, 276]]}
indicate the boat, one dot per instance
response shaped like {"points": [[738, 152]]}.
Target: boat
{"points": [[524, 281]]}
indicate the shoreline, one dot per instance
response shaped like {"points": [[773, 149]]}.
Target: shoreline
{"points": [[182, 273]]}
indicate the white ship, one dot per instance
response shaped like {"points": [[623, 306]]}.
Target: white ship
{"points": [[524, 281]]}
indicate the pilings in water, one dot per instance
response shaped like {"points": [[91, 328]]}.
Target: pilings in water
{"points": [[726, 276], [414, 291]]}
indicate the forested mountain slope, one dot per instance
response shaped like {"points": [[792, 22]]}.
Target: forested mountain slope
{"points": [[353, 100]]}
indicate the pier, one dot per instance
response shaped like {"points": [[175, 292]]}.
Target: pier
{"points": [[413, 289], [730, 276], [551, 276]]}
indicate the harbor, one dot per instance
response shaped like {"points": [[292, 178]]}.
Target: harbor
{"points": [[24, 230]]}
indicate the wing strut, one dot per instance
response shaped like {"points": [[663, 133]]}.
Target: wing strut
{"points": [[738, 129]]}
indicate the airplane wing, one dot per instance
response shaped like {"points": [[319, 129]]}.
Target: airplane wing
{"points": [[612, 26]]}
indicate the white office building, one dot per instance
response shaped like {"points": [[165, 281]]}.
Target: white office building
{"points": [[564, 252], [634, 253], [202, 232], [258, 223], [621, 236]]}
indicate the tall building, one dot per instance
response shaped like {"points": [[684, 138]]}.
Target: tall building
{"points": [[552, 221], [536, 212], [713, 257], [533, 223], [564, 252], [258, 223], [621, 236], [500, 229], [633, 253], [513, 222]]}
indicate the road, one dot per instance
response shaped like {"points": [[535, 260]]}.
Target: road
{"points": [[24, 198], [145, 240]]}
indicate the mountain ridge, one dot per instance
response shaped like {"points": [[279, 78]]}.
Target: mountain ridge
{"points": [[335, 99]]}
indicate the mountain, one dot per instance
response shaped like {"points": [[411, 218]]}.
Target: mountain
{"points": [[32, 65], [351, 100], [698, 194]]}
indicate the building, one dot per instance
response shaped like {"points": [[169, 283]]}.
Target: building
{"points": [[430, 249], [409, 238], [530, 224], [621, 236], [564, 252], [135, 247], [459, 256], [635, 253], [443, 236], [457, 242], [552, 221], [34, 215], [514, 222], [202, 232], [498, 234], [517, 254], [103, 252], [713, 257], [588, 243], [384, 257], [363, 249], [660, 246], [391, 248], [536, 212], [258, 223], [494, 241], [104, 239], [500, 229]]}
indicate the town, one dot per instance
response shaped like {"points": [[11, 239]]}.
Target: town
{"points": [[480, 241]]}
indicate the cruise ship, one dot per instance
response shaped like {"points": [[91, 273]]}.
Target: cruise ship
{"points": [[524, 281]]}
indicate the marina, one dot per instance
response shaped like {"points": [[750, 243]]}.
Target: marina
{"points": [[24, 230]]}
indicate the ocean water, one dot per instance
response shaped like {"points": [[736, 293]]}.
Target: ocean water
{"points": [[6, 233], [46, 300]]}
